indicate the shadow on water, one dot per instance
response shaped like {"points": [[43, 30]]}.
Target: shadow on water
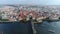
{"points": [[16, 28]]}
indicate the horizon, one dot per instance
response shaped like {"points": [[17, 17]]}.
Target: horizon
{"points": [[31, 2]]}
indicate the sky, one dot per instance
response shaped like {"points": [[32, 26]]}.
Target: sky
{"points": [[32, 2]]}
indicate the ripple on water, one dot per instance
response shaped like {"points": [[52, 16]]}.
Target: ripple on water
{"points": [[48, 27]]}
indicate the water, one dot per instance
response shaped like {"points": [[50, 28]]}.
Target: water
{"points": [[25, 28], [16, 28], [48, 27]]}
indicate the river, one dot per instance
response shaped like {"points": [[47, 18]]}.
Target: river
{"points": [[16, 28], [48, 28], [25, 28]]}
